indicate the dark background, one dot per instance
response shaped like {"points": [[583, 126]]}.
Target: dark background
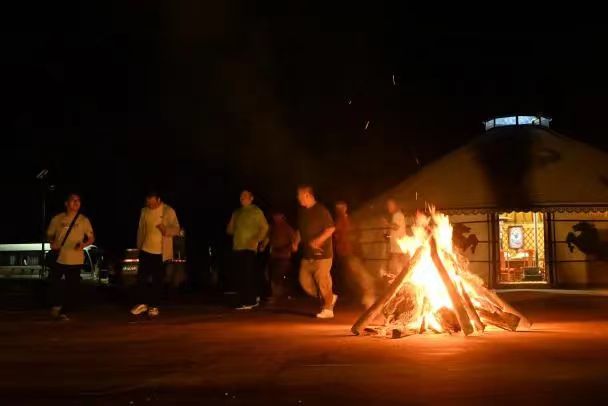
{"points": [[201, 100]]}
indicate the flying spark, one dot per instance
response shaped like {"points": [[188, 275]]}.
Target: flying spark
{"points": [[366, 124]]}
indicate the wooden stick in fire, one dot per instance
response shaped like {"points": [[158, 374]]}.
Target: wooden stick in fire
{"points": [[510, 309], [504, 320], [373, 311], [459, 309], [492, 297], [468, 305], [500, 305]]}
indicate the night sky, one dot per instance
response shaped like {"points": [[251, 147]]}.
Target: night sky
{"points": [[201, 100]]}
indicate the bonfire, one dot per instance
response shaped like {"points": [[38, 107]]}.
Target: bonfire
{"points": [[435, 292]]}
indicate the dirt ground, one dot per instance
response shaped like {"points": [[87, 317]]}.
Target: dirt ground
{"points": [[202, 354]]}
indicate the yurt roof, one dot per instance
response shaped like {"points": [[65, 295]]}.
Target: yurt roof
{"points": [[519, 168]]}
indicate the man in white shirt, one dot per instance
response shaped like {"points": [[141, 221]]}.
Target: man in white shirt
{"points": [[158, 225], [70, 256], [398, 229]]}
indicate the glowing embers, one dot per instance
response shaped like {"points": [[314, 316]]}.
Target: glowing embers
{"points": [[435, 292]]}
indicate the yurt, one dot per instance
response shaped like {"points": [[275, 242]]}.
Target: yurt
{"points": [[529, 206]]}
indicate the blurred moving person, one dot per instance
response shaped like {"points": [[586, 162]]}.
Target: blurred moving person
{"points": [[397, 259], [281, 239], [355, 276], [158, 225], [68, 233], [315, 228], [248, 228]]}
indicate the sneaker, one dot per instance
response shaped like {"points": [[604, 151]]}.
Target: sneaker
{"points": [[326, 314], [63, 317], [153, 311], [55, 312], [139, 309], [248, 307]]}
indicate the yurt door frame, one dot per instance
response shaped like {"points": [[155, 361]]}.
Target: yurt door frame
{"points": [[521, 254]]}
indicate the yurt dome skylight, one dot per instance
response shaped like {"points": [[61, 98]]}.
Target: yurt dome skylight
{"points": [[516, 120]]}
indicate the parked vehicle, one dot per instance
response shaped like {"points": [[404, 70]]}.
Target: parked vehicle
{"points": [[176, 268], [126, 272], [22, 261]]}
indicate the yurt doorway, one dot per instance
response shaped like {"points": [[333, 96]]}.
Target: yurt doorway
{"points": [[521, 239]]}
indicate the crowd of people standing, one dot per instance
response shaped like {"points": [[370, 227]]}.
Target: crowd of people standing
{"points": [[324, 243]]}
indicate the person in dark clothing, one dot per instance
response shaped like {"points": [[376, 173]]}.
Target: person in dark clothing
{"points": [[354, 275], [280, 239], [315, 228]]}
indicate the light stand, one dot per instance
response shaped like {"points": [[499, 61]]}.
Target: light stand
{"points": [[44, 187]]}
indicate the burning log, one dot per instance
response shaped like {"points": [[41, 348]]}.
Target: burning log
{"points": [[461, 313], [509, 309], [447, 319], [398, 333], [373, 311], [403, 307], [489, 296], [370, 332], [500, 319], [468, 305], [425, 310], [436, 292]]}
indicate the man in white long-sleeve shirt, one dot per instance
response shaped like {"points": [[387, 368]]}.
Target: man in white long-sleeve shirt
{"points": [[158, 225]]}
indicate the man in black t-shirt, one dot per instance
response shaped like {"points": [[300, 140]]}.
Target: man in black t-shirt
{"points": [[315, 228]]}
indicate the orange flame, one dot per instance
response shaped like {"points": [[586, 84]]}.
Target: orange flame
{"points": [[436, 292], [424, 275]]}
